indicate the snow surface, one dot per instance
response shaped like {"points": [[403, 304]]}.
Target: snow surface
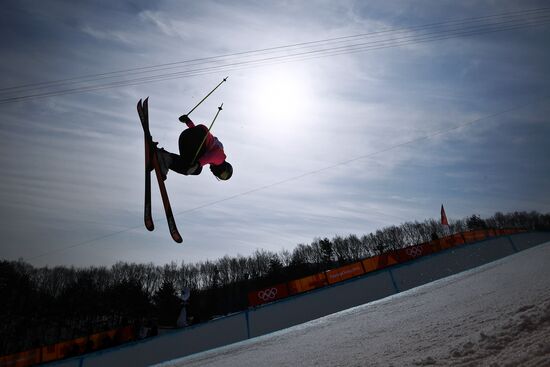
{"points": [[494, 315]]}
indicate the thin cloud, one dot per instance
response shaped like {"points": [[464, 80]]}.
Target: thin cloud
{"points": [[103, 35]]}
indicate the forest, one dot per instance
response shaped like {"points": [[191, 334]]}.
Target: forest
{"points": [[42, 306]]}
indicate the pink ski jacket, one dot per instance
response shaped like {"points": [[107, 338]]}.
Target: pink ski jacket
{"points": [[214, 153]]}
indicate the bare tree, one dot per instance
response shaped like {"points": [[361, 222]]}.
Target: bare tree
{"points": [[357, 251], [342, 250]]}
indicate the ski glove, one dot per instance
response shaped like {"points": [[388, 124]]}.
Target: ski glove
{"points": [[185, 119], [194, 169]]}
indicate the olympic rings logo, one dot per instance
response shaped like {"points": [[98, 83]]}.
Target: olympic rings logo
{"points": [[414, 251], [267, 294]]}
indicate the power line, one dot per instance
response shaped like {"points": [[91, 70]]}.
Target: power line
{"points": [[300, 51], [354, 48], [166, 66], [306, 174], [271, 49]]}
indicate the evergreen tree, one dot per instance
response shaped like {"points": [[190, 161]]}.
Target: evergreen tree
{"points": [[168, 304], [326, 252], [475, 222]]}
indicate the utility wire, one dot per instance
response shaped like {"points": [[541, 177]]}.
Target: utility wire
{"points": [[306, 174], [425, 33], [171, 65], [354, 48], [264, 49]]}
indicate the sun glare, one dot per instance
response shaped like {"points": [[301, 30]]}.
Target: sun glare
{"points": [[283, 96]]}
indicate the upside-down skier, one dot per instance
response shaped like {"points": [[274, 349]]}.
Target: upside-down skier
{"points": [[197, 148]]}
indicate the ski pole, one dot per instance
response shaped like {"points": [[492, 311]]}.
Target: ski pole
{"points": [[208, 95], [209, 128]]}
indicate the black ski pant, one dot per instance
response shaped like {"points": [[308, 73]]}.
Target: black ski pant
{"points": [[189, 141]]}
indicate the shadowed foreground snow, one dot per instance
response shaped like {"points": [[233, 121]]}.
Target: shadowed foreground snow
{"points": [[498, 314]]}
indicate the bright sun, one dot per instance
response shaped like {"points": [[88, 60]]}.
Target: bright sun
{"points": [[283, 96]]}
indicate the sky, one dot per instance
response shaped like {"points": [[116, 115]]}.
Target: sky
{"points": [[497, 314], [429, 109]]}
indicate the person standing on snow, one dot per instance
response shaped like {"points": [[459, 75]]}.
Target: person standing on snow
{"points": [[191, 160]]}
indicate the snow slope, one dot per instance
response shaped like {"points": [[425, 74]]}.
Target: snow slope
{"points": [[497, 314]]}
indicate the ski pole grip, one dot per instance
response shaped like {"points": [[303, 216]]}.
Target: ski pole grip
{"points": [[185, 119]]}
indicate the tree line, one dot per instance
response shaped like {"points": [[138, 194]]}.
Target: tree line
{"points": [[42, 306]]}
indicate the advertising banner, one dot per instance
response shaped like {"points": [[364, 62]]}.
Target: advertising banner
{"points": [[307, 283], [344, 272], [412, 252], [267, 295], [474, 236]]}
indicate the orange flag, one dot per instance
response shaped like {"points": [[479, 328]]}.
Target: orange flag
{"points": [[443, 217]]}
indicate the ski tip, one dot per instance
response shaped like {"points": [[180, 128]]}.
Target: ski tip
{"points": [[176, 235]]}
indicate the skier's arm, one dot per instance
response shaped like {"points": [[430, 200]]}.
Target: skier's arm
{"points": [[187, 121]]}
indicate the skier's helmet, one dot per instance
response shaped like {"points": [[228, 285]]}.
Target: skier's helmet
{"points": [[222, 171]]}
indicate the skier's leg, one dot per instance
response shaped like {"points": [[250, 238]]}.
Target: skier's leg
{"points": [[175, 163], [168, 161]]}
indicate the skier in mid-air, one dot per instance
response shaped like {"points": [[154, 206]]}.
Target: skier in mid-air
{"points": [[198, 147]]}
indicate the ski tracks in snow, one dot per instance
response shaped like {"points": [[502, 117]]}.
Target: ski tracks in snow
{"points": [[522, 338]]}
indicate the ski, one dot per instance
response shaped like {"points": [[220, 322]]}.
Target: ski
{"points": [[151, 162], [148, 217]]}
